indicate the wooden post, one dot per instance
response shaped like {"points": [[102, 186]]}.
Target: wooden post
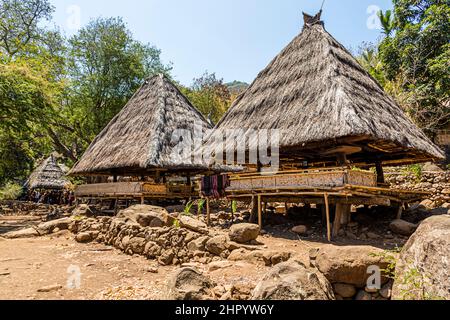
{"points": [[337, 220], [208, 213], [254, 209], [327, 212], [400, 211], [346, 210], [380, 172], [142, 200], [259, 212]]}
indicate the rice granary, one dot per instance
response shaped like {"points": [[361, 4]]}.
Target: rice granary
{"points": [[334, 122], [47, 182], [136, 149]]}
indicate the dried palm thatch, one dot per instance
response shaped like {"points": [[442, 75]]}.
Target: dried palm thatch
{"points": [[140, 140], [48, 175], [320, 98]]}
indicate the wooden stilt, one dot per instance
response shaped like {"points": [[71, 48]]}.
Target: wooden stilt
{"points": [[254, 212], [327, 213], [208, 213], [346, 210], [142, 200], [337, 220], [400, 211], [259, 212]]}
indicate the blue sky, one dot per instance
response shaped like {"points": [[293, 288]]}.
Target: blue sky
{"points": [[234, 38]]}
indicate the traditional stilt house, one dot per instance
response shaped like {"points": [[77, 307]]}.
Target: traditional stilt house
{"points": [[136, 155], [334, 120], [47, 180]]}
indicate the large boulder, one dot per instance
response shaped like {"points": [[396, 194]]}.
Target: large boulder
{"points": [[293, 281], [189, 284], [403, 227], [244, 232], [423, 268], [350, 264], [147, 216], [217, 245], [22, 234], [48, 227], [193, 224], [84, 210]]}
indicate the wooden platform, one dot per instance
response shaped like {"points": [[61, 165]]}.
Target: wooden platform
{"points": [[135, 190], [338, 187]]}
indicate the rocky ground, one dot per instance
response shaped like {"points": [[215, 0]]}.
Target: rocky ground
{"points": [[150, 252]]}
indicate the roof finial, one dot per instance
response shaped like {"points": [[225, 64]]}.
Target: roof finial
{"points": [[323, 3], [312, 20]]}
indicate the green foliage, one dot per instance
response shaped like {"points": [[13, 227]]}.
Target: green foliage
{"points": [[176, 224], [10, 191], [57, 94], [210, 96], [416, 170], [390, 257], [188, 207], [200, 206], [415, 59], [234, 206], [413, 283]]}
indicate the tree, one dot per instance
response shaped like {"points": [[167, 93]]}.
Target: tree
{"points": [[106, 66], [210, 96], [19, 23], [415, 56], [27, 102]]}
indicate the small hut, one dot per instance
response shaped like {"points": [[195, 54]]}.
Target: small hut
{"points": [[136, 149], [47, 182], [334, 120]]}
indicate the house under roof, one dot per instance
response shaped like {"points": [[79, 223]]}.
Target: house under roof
{"points": [[48, 175]]}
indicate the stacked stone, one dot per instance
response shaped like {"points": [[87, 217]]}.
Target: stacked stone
{"points": [[438, 183]]}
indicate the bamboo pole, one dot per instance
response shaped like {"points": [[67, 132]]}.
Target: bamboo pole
{"points": [[327, 211], [259, 212], [208, 213]]}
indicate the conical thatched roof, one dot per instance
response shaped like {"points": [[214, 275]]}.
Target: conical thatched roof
{"points": [[140, 138], [321, 98], [48, 175]]}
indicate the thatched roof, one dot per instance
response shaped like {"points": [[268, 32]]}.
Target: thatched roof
{"points": [[139, 139], [320, 97], [48, 175]]}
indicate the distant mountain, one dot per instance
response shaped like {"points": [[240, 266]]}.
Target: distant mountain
{"points": [[237, 87]]}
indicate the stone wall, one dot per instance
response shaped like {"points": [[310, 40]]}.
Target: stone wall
{"points": [[24, 208], [438, 183]]}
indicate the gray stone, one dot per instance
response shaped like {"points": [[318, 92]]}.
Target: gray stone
{"points": [[363, 296], [244, 232], [189, 284], [422, 271], [300, 230], [402, 227], [349, 264], [193, 224], [217, 245], [344, 290], [198, 244], [48, 227], [147, 216], [22, 234], [293, 281], [83, 237]]}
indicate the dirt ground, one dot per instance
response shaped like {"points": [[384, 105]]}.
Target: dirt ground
{"points": [[47, 268]]}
